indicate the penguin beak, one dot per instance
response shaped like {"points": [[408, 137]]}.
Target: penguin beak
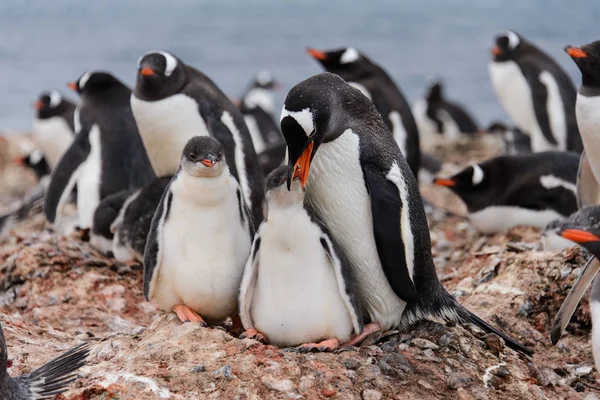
{"points": [[72, 85], [575, 52], [147, 71], [38, 105], [496, 51], [579, 236], [444, 182], [208, 163], [302, 166], [20, 160], [319, 55]]}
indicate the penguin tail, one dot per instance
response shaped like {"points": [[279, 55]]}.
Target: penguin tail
{"points": [[52, 378], [8, 220]]}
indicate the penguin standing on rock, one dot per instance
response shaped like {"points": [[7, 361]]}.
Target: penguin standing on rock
{"points": [[536, 93], [107, 154], [361, 187], [44, 382], [368, 77], [200, 238], [506, 191], [173, 102], [297, 287]]}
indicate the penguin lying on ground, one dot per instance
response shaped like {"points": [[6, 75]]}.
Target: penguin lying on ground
{"points": [[582, 228], [44, 382], [535, 92], [36, 162], [297, 287], [361, 187], [506, 191], [515, 141], [200, 238], [368, 77], [437, 116]]}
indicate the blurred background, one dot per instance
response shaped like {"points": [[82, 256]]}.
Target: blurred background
{"points": [[46, 44]]}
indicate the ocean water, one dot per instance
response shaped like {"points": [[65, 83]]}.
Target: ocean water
{"points": [[44, 44]]}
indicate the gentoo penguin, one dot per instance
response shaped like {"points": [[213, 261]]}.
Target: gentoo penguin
{"points": [[101, 235], [368, 77], [505, 191], [257, 106], [200, 238], [297, 287], [435, 115], [536, 93], [515, 141], [582, 228], [53, 126], [361, 187], [36, 162], [173, 102], [44, 382], [587, 110], [107, 154], [132, 225]]}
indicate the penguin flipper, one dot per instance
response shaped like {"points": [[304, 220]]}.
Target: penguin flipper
{"points": [[588, 189], [249, 283], [386, 206], [153, 252], [539, 97], [573, 298], [65, 175]]}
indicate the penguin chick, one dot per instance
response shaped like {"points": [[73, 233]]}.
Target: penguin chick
{"points": [[199, 239], [297, 287], [515, 141]]}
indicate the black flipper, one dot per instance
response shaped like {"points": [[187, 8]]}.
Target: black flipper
{"points": [[539, 94]]}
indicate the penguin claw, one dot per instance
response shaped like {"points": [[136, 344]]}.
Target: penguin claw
{"points": [[324, 346], [186, 314], [254, 334]]}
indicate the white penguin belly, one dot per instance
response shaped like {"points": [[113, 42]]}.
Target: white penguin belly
{"points": [[297, 299], [427, 130], [165, 127], [398, 131], [204, 250], [595, 311], [53, 136], [88, 184], [337, 191], [499, 218], [588, 121]]}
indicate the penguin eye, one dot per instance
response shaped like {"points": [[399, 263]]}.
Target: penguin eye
{"points": [[192, 156]]}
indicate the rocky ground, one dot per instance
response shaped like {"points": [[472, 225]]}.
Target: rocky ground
{"points": [[57, 291]]}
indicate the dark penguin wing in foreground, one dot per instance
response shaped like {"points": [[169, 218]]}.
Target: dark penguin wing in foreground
{"points": [[45, 382], [107, 211]]}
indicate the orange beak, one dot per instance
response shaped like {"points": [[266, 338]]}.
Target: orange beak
{"points": [[576, 52], [303, 165], [19, 160], [496, 51], [444, 182], [319, 55], [579, 236], [147, 71], [38, 105], [207, 163], [72, 85]]}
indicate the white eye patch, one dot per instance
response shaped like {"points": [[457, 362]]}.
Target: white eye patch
{"points": [[304, 118], [477, 174], [264, 77], [513, 39], [350, 55], [55, 98], [83, 80]]}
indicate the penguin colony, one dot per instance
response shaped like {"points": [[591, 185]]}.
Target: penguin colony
{"points": [[310, 232]]}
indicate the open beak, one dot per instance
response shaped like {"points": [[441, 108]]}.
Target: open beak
{"points": [[38, 105], [319, 55], [72, 85], [575, 52], [444, 182], [579, 236], [208, 163], [496, 51], [147, 71], [302, 166]]}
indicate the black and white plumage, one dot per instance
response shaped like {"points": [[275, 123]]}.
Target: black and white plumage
{"points": [[44, 382], [107, 154], [361, 187], [257, 106], [53, 126], [505, 191], [436, 115], [362, 73], [515, 141], [101, 235], [536, 93], [200, 238], [36, 162], [297, 286], [582, 228], [173, 102]]}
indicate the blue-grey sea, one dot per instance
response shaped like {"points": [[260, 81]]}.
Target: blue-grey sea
{"points": [[44, 44]]}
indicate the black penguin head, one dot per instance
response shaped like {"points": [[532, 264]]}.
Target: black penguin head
{"points": [[587, 59], [277, 189], [339, 59], [203, 157], [497, 127], [472, 185], [95, 82], [35, 161], [264, 80], [508, 44], [160, 75], [49, 104], [318, 110], [583, 228], [435, 93]]}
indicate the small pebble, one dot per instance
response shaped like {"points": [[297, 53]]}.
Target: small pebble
{"points": [[225, 371], [501, 372], [566, 271], [590, 396], [583, 370], [425, 385], [199, 368], [579, 387], [279, 385], [370, 394], [424, 344], [351, 363], [457, 380]]}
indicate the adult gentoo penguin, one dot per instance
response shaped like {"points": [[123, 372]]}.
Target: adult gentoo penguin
{"points": [[361, 187], [582, 228], [360, 72], [107, 154], [535, 92], [173, 102], [505, 191], [44, 382], [53, 126], [435, 114], [200, 238], [297, 287], [587, 110]]}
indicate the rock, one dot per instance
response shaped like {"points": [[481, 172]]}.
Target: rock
{"points": [[494, 343], [537, 392], [579, 387], [199, 368], [370, 394], [565, 271], [583, 370], [424, 344], [351, 363], [224, 371], [525, 308], [457, 380], [590, 396], [449, 339], [279, 385], [306, 383], [425, 385], [501, 372], [462, 394]]}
